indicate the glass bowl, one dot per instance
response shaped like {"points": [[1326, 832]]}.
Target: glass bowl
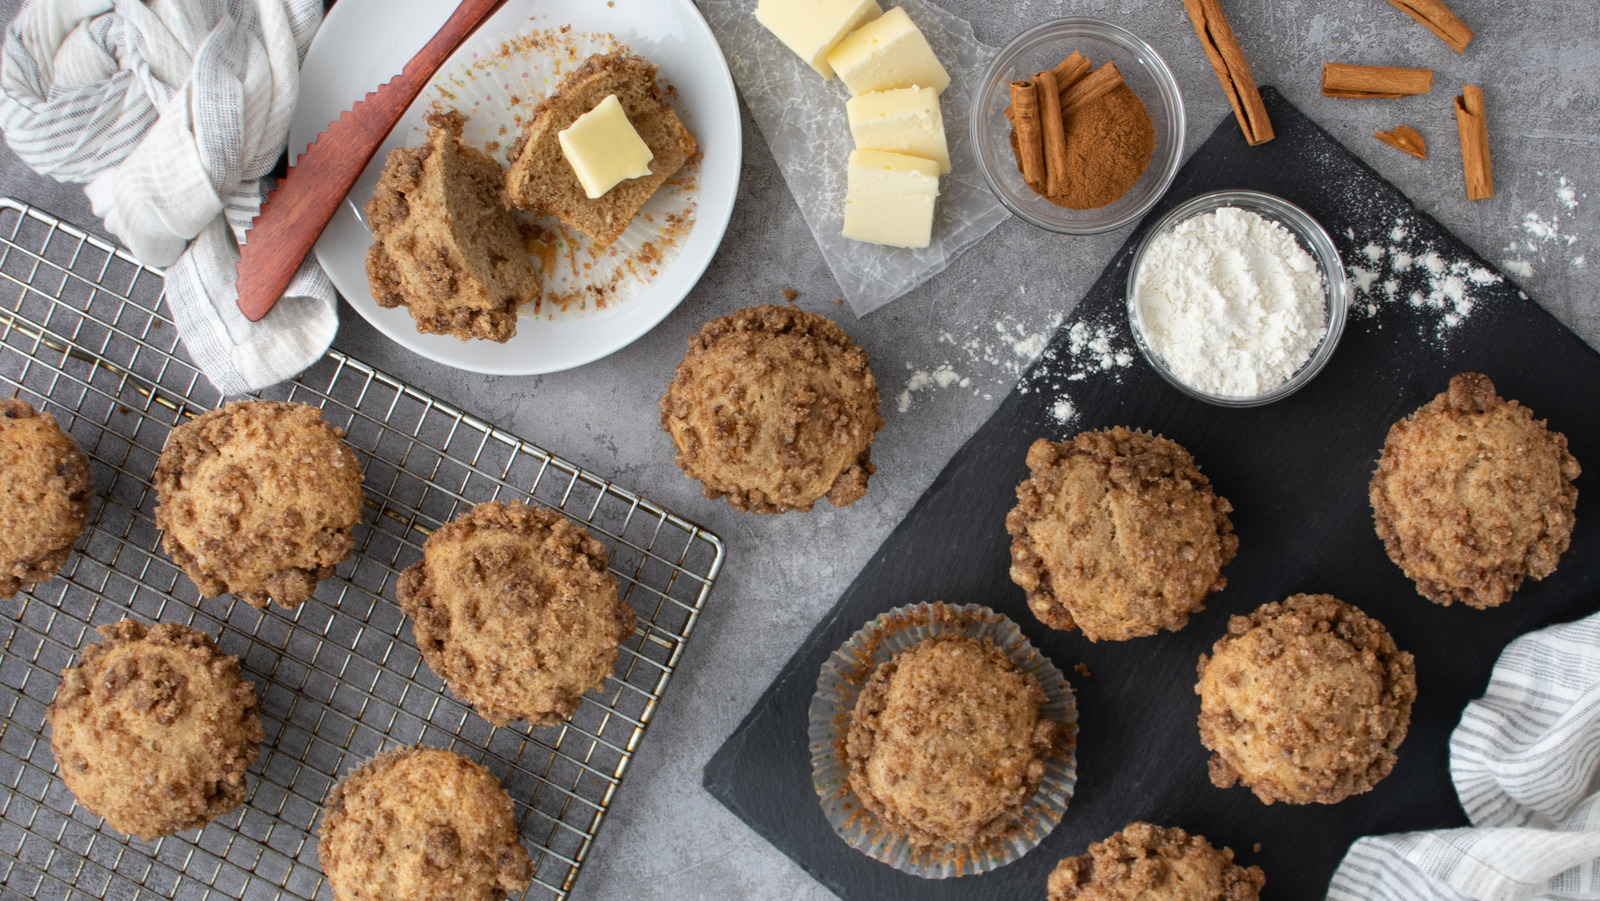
{"points": [[1307, 232], [1043, 47]]}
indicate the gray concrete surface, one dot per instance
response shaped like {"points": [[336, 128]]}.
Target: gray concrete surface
{"points": [[1539, 63]]}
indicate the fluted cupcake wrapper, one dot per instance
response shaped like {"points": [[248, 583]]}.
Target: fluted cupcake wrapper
{"points": [[844, 675]]}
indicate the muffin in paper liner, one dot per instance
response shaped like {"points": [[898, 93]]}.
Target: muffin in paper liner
{"points": [[496, 89], [840, 683]]}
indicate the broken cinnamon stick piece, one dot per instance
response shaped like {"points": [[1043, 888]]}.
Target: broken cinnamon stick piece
{"points": [[1030, 140], [1439, 20], [1233, 70], [1368, 82], [1067, 72], [1405, 138], [1101, 82], [1474, 127], [1071, 69], [1055, 133]]}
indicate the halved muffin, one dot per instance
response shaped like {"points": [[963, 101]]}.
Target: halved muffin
{"points": [[442, 245]]}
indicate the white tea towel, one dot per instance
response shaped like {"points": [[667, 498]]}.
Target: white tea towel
{"points": [[1525, 761], [173, 113]]}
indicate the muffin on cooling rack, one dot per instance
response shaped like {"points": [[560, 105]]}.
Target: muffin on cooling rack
{"points": [[260, 499], [1472, 495], [512, 606], [1150, 863], [1305, 701], [1117, 533], [774, 408], [422, 823], [154, 728], [45, 489]]}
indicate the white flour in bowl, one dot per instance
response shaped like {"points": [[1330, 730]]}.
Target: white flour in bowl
{"points": [[1231, 302]]}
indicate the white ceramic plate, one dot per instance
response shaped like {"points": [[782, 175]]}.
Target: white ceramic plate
{"points": [[366, 42]]}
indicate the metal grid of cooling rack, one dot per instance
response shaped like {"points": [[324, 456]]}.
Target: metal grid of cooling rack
{"points": [[83, 336]]}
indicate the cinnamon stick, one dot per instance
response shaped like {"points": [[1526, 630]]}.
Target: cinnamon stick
{"points": [[1368, 82], [1055, 133], [1474, 127], [1101, 82], [1067, 73], [1439, 20], [1030, 140], [1405, 138], [1232, 69]]}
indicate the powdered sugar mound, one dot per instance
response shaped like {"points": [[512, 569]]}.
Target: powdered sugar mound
{"points": [[1063, 412]]}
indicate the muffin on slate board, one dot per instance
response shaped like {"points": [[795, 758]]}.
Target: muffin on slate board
{"points": [[1305, 701], [1149, 863], [45, 488], [774, 408], [154, 728], [260, 499], [946, 743], [442, 245], [513, 607], [422, 823], [1117, 533], [1472, 495]]}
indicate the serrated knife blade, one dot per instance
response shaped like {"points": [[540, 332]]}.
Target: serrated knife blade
{"points": [[305, 200]]}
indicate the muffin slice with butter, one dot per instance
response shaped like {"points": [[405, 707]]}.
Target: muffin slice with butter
{"points": [[599, 148]]}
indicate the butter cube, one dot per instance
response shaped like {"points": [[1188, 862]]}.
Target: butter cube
{"points": [[888, 53], [811, 28], [604, 149], [905, 121], [890, 199]]}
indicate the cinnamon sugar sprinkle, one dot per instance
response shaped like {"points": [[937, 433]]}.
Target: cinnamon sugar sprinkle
{"points": [[497, 91]]}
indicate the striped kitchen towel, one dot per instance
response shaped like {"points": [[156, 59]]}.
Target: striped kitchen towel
{"points": [[172, 113], [1526, 765]]}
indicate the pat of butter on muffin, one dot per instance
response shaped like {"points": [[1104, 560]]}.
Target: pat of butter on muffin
{"points": [[604, 149]]}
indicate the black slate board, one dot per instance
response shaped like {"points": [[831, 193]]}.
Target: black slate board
{"points": [[1296, 472]]}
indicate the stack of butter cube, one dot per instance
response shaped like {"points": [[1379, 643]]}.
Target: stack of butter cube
{"points": [[894, 80]]}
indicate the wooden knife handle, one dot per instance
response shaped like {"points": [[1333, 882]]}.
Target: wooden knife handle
{"points": [[305, 200]]}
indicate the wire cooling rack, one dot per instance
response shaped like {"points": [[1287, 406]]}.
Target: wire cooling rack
{"points": [[339, 679]]}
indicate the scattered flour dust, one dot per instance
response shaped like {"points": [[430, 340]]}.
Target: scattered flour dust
{"points": [[922, 380], [1407, 270], [1003, 353], [1542, 236]]}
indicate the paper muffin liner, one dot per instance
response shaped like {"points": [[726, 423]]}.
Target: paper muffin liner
{"points": [[496, 89], [843, 676]]}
